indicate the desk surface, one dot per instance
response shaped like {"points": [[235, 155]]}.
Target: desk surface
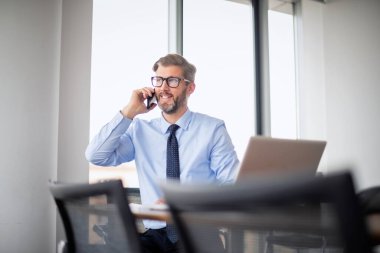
{"points": [[153, 215], [373, 221], [142, 212]]}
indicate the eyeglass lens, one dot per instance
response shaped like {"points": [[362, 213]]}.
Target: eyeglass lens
{"points": [[171, 81]]}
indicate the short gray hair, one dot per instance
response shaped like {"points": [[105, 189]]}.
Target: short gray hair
{"points": [[188, 69]]}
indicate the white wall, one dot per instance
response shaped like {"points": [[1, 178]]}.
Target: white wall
{"points": [[44, 108], [29, 83], [352, 60], [340, 84], [74, 93]]}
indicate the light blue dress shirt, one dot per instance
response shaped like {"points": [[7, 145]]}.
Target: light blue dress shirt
{"points": [[206, 152]]}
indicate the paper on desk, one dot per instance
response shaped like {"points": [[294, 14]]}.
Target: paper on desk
{"points": [[154, 207]]}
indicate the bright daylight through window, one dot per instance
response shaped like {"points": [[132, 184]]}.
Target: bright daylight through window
{"points": [[283, 94], [128, 36]]}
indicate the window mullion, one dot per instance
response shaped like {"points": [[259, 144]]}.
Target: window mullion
{"points": [[175, 23]]}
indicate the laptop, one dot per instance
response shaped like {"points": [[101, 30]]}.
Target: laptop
{"points": [[267, 155]]}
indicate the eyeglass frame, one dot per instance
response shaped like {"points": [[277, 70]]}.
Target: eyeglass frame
{"points": [[179, 79]]}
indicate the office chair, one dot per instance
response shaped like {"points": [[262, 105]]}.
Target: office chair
{"points": [[369, 199], [254, 210], [299, 242], [96, 218], [133, 196]]}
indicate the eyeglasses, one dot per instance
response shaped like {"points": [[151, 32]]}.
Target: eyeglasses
{"points": [[172, 81]]}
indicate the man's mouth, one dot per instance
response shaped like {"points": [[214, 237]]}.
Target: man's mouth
{"points": [[165, 96]]}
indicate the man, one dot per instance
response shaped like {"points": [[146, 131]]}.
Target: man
{"points": [[206, 153]]}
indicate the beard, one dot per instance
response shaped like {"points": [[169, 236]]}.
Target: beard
{"points": [[178, 102]]}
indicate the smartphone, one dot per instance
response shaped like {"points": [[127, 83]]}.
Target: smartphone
{"points": [[151, 100]]}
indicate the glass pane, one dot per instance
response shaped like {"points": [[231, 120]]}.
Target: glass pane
{"points": [[128, 37], [218, 39], [282, 74]]}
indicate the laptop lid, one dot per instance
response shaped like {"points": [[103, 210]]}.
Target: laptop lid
{"points": [[266, 155]]}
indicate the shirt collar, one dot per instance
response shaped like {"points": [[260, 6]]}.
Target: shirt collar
{"points": [[182, 122]]}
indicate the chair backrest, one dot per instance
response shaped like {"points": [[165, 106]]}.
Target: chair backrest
{"points": [[96, 217], [321, 208], [133, 195], [370, 200]]}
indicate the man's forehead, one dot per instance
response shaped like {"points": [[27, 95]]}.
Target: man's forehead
{"points": [[169, 69]]}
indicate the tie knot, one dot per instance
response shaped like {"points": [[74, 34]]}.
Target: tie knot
{"points": [[173, 128]]}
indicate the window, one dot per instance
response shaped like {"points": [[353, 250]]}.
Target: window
{"points": [[283, 97], [218, 38], [127, 37]]}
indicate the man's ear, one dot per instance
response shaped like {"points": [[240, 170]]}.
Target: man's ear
{"points": [[190, 88]]}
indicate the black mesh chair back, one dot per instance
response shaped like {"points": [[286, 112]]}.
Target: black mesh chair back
{"points": [[322, 211], [96, 218]]}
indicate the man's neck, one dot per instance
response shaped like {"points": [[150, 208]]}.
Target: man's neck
{"points": [[173, 118]]}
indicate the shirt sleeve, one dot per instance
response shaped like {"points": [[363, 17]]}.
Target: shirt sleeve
{"points": [[224, 160], [112, 145]]}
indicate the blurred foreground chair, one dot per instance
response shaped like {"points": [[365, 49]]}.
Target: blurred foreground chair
{"points": [[96, 218], [370, 201], [323, 208]]}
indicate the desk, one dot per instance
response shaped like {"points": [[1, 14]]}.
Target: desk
{"points": [[142, 212], [373, 221]]}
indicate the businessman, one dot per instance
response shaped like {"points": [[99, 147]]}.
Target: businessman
{"points": [[182, 145]]}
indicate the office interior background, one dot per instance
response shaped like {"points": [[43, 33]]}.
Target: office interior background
{"points": [[47, 70]]}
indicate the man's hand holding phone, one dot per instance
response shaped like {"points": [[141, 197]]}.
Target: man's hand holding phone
{"points": [[137, 104]]}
